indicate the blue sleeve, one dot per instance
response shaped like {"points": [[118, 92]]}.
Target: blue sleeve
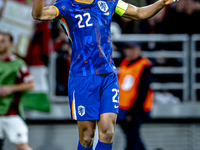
{"points": [[60, 7]]}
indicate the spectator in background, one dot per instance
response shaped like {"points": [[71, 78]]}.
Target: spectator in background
{"points": [[116, 33], [58, 35], [62, 75], [183, 14], [127, 25], [153, 25], [63, 49], [183, 18], [48, 38], [41, 45], [14, 79], [135, 96]]}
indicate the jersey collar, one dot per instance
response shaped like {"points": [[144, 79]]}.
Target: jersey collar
{"points": [[81, 1], [10, 58]]}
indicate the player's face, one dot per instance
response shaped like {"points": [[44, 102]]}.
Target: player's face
{"points": [[5, 43], [2, 43], [132, 53]]}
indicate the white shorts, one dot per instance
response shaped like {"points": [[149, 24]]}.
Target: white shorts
{"points": [[14, 128]]}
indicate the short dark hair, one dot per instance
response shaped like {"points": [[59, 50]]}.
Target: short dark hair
{"points": [[132, 44], [10, 36]]}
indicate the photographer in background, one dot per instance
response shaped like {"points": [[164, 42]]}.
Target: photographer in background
{"points": [[135, 96]]}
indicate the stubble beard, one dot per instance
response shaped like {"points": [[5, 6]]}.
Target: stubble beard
{"points": [[2, 52]]}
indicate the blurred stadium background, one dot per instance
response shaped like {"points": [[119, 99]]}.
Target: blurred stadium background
{"points": [[170, 40]]}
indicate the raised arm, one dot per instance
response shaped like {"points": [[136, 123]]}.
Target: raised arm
{"points": [[40, 12], [146, 12]]}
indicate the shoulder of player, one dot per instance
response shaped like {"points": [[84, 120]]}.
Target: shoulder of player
{"points": [[17, 60]]}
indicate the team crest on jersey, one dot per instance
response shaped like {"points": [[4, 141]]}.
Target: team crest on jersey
{"points": [[103, 6], [81, 110]]}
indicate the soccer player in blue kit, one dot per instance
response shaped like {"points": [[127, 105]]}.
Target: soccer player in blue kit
{"points": [[93, 86]]}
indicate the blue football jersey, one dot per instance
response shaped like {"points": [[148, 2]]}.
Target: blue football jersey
{"points": [[87, 26]]}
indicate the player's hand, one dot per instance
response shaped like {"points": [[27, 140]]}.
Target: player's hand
{"points": [[167, 2], [5, 91]]}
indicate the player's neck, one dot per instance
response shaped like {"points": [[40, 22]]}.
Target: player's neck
{"points": [[5, 55]]}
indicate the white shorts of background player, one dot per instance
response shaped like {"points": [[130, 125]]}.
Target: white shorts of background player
{"points": [[14, 128]]}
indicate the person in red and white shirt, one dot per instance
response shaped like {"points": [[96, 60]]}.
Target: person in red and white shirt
{"points": [[11, 123]]}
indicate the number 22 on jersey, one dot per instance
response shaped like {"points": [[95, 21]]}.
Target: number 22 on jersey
{"points": [[80, 17]]}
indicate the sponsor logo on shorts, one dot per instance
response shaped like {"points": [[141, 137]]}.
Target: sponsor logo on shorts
{"points": [[81, 110]]}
